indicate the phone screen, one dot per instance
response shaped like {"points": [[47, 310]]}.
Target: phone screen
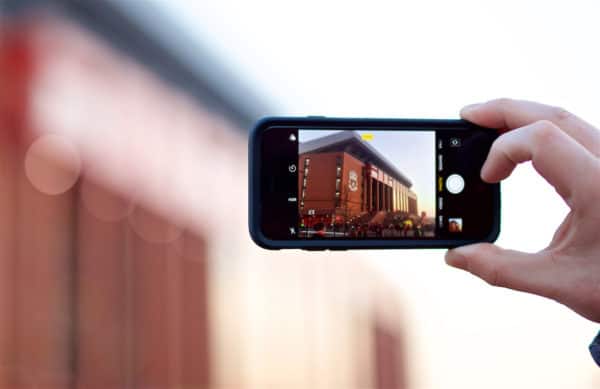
{"points": [[371, 183], [367, 184]]}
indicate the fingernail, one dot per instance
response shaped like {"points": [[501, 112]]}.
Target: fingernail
{"points": [[470, 108], [455, 258]]}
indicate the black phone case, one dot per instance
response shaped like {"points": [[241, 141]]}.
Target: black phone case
{"points": [[345, 244]]}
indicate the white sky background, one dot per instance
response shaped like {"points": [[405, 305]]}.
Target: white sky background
{"points": [[411, 152], [426, 59]]}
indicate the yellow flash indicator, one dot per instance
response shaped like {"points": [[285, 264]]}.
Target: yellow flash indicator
{"points": [[440, 183], [367, 137]]}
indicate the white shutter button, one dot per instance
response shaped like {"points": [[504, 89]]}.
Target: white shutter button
{"points": [[455, 183]]}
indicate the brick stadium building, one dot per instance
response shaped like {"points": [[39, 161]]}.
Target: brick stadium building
{"points": [[343, 178], [119, 266]]}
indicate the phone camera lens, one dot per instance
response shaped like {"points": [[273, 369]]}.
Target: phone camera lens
{"points": [[455, 142]]}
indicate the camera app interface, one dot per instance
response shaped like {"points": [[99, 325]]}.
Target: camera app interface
{"points": [[367, 184]]}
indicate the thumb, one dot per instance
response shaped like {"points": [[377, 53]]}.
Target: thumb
{"points": [[531, 273]]}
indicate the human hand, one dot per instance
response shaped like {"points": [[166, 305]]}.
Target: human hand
{"points": [[565, 150]]}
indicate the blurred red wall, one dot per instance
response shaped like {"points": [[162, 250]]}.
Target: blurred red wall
{"points": [[124, 241]]}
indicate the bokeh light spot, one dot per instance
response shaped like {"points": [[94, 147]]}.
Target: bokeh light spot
{"points": [[52, 164]]}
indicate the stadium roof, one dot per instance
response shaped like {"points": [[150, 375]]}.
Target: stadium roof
{"points": [[352, 143], [145, 33]]}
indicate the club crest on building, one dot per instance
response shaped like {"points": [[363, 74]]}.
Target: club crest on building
{"points": [[353, 181]]}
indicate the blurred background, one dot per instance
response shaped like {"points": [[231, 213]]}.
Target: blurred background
{"points": [[125, 260]]}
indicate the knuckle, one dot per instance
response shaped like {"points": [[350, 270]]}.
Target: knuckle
{"points": [[493, 275], [561, 114], [503, 102], [500, 144], [545, 131], [554, 259], [485, 265]]}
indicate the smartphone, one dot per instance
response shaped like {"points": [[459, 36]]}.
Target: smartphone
{"points": [[321, 183]]}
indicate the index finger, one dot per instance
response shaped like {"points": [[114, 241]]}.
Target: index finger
{"points": [[508, 114], [564, 163]]}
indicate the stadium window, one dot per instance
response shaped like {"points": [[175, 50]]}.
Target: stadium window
{"points": [[305, 171], [337, 184], [338, 162], [304, 182], [306, 162]]}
